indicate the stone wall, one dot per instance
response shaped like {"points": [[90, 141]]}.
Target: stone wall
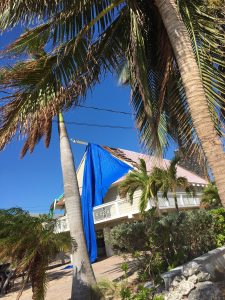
{"points": [[196, 279]]}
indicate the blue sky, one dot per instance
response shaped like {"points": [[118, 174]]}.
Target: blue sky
{"points": [[35, 181]]}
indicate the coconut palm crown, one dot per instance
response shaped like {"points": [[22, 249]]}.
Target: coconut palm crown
{"points": [[84, 40], [163, 180], [139, 179], [171, 182]]}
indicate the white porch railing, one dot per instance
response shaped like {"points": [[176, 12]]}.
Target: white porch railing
{"points": [[62, 224], [123, 208]]}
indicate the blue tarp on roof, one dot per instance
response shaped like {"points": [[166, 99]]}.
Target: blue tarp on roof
{"points": [[100, 171]]}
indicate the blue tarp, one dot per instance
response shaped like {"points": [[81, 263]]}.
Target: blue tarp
{"points": [[100, 171]]}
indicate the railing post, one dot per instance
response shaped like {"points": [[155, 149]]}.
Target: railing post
{"points": [[149, 206], [117, 209], [181, 200], [195, 201], [198, 201]]}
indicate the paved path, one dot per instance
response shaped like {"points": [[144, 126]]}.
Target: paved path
{"points": [[59, 285]]}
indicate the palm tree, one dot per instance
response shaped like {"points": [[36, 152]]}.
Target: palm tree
{"points": [[30, 244], [174, 52], [83, 276], [139, 179], [210, 197], [170, 182]]}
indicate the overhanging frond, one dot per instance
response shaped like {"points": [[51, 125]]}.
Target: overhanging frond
{"points": [[37, 99], [206, 29]]}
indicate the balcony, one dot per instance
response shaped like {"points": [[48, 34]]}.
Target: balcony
{"points": [[62, 224], [120, 208]]}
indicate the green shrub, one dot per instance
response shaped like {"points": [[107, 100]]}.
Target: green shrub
{"points": [[219, 225], [158, 297], [142, 293], [124, 235], [210, 197], [162, 243], [124, 291]]}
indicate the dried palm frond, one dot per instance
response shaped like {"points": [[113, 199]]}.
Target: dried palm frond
{"points": [[38, 99]]}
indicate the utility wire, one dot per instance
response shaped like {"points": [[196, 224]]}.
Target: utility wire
{"points": [[96, 125], [105, 109], [88, 107]]}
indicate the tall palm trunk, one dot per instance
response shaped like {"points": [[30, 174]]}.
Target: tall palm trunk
{"points": [[156, 200], [83, 276], [176, 201], [196, 98]]}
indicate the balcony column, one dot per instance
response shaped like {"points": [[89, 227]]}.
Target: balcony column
{"points": [[181, 200], [117, 209], [108, 248], [149, 206]]}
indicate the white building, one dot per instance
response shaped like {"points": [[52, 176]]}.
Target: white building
{"points": [[115, 210]]}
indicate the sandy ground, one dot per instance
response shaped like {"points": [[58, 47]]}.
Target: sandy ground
{"points": [[59, 285]]}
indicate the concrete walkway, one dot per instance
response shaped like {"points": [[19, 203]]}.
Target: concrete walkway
{"points": [[59, 285]]}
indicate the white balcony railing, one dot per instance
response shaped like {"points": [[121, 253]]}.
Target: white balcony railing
{"points": [[122, 208], [62, 224]]}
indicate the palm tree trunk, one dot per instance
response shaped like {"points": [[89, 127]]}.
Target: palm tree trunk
{"points": [[157, 205], [196, 98], [176, 202], [83, 276]]}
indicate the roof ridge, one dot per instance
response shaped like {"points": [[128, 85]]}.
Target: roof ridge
{"points": [[145, 154], [120, 154], [124, 153]]}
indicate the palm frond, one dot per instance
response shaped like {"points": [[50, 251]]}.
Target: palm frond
{"points": [[206, 29], [36, 101], [172, 169], [68, 25], [62, 13], [172, 120], [138, 62], [30, 246], [137, 179], [148, 93], [88, 38], [143, 202]]}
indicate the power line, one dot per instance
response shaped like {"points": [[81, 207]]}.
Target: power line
{"points": [[105, 109], [97, 125], [90, 107]]}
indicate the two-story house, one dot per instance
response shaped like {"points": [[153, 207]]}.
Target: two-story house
{"points": [[115, 210]]}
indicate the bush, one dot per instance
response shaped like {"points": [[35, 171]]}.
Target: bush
{"points": [[162, 243], [219, 225], [125, 291], [128, 237]]}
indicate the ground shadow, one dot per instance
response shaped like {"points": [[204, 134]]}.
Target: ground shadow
{"points": [[51, 275], [132, 268]]}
